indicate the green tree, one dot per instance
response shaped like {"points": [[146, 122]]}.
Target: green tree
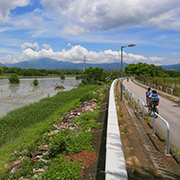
{"points": [[1, 71], [93, 75], [62, 77], [35, 82], [14, 79]]}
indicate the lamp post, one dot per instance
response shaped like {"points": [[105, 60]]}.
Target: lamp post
{"points": [[130, 45]]}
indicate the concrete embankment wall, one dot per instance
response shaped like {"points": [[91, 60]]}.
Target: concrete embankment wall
{"points": [[115, 167]]}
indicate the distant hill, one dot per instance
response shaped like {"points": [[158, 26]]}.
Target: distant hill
{"points": [[174, 67], [46, 63]]}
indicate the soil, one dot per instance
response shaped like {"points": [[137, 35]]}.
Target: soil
{"points": [[97, 168]]}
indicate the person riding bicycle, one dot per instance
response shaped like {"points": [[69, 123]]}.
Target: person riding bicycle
{"points": [[154, 98], [148, 93]]}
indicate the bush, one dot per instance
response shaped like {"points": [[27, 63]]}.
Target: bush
{"points": [[62, 77], [35, 82], [69, 143], [14, 79], [61, 168], [78, 77]]}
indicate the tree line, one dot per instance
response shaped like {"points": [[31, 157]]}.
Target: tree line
{"points": [[36, 72], [146, 70]]}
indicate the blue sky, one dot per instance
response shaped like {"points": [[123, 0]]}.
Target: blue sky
{"points": [[67, 30]]}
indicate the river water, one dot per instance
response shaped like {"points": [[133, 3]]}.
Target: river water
{"points": [[13, 96]]}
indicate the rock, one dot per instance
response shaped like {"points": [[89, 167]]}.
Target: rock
{"points": [[15, 169]]}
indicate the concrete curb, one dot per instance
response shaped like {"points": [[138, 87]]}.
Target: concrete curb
{"points": [[115, 167]]}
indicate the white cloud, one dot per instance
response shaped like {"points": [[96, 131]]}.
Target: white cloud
{"points": [[76, 55], [27, 45], [7, 5], [46, 46], [73, 29], [105, 14]]}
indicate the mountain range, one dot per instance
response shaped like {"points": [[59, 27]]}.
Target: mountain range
{"points": [[174, 67], [47, 63]]}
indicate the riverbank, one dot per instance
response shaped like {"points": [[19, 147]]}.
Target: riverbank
{"points": [[46, 112]]}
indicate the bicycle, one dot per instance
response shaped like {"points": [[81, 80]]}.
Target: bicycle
{"points": [[153, 109]]}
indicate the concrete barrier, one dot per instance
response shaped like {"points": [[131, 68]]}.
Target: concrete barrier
{"points": [[115, 167]]}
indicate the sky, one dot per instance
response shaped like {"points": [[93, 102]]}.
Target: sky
{"points": [[68, 30]]}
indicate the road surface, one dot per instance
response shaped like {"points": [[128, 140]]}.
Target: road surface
{"points": [[169, 110]]}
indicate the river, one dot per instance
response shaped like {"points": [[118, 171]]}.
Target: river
{"points": [[13, 96]]}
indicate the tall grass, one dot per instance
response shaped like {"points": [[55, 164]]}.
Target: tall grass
{"points": [[165, 82], [21, 126]]}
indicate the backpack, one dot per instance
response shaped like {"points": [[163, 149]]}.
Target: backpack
{"points": [[155, 98]]}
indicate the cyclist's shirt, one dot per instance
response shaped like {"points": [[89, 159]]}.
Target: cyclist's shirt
{"points": [[148, 93], [155, 97]]}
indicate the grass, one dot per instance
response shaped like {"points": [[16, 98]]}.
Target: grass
{"points": [[124, 130], [20, 127]]}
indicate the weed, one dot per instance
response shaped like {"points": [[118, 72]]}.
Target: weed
{"points": [[121, 114], [125, 130], [20, 127], [61, 168]]}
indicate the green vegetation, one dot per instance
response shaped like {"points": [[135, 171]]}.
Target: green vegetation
{"points": [[1, 71], [23, 125], [93, 75], [35, 82], [61, 168], [146, 70], [62, 77], [14, 79], [25, 129], [165, 82], [67, 142], [59, 87], [37, 72]]}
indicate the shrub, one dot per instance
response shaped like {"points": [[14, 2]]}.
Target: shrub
{"points": [[69, 143], [61, 168], [14, 79], [88, 120], [62, 77], [78, 77], [35, 82]]}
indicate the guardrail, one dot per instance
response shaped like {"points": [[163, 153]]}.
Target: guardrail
{"points": [[168, 131], [115, 167], [143, 104], [130, 95], [170, 90], [159, 87], [128, 92]]}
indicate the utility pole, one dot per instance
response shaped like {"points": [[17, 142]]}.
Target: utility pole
{"points": [[84, 63]]}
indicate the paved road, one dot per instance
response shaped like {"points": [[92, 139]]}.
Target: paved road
{"points": [[169, 110]]}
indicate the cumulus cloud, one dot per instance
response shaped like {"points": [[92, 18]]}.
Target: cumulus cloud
{"points": [[30, 45], [7, 5], [46, 46], [76, 55]]}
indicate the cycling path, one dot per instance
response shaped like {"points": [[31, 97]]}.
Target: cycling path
{"points": [[169, 110]]}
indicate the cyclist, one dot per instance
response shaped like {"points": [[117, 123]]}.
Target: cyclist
{"points": [[148, 93], [154, 98]]}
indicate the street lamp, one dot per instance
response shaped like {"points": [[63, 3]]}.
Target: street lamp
{"points": [[130, 45]]}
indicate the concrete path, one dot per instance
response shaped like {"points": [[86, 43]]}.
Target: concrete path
{"points": [[169, 110]]}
